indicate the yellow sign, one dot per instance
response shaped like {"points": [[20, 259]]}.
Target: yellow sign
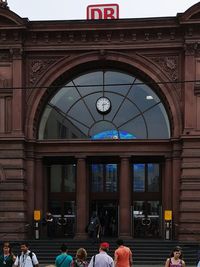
{"points": [[168, 215], [37, 215]]}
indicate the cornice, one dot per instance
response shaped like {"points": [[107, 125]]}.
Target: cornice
{"points": [[122, 37], [164, 32]]}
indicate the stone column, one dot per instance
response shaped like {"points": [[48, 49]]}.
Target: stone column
{"points": [[167, 187], [39, 185], [17, 103], [190, 98], [81, 199], [176, 186], [30, 168], [125, 188]]}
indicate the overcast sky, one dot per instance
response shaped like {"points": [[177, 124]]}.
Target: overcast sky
{"points": [[76, 9]]}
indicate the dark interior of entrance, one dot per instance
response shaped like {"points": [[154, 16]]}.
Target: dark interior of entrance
{"points": [[103, 177], [107, 212], [147, 207], [61, 197], [104, 195]]}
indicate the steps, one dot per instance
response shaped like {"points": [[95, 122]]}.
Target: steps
{"points": [[145, 252]]}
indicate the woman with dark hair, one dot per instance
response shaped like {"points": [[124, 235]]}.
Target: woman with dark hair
{"points": [[175, 259], [7, 258]]}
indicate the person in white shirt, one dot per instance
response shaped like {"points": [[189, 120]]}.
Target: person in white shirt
{"points": [[102, 259], [27, 258]]}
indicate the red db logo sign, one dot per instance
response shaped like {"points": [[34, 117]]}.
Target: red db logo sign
{"points": [[107, 11]]}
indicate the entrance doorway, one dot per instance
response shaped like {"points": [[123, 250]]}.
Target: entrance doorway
{"points": [[147, 197], [64, 217], [61, 197], [104, 194], [147, 219], [107, 212]]}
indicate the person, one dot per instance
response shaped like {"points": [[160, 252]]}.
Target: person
{"points": [[102, 259], [50, 223], [70, 223], [64, 259], [7, 258], [113, 226], [175, 259], [81, 256], [123, 255], [93, 227], [26, 258]]}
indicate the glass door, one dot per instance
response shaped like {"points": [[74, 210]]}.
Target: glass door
{"points": [[104, 196], [146, 217], [147, 208], [61, 198], [107, 212]]}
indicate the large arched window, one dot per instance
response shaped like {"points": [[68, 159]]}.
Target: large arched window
{"points": [[105, 104]]}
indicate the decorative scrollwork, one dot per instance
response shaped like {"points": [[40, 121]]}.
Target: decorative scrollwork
{"points": [[4, 4], [169, 65], [37, 67]]}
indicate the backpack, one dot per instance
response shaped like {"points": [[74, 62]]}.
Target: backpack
{"points": [[94, 222], [30, 255]]}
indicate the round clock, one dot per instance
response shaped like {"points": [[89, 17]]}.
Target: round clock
{"points": [[103, 105]]}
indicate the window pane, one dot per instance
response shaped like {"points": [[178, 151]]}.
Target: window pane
{"points": [[158, 126], [54, 207], [65, 98], [143, 96], [147, 218], [154, 208], [54, 125], [126, 112], [92, 78], [84, 116], [121, 78], [135, 108], [56, 178], [69, 173], [69, 207], [111, 177], [139, 177], [102, 130], [153, 177], [136, 127], [97, 178]]}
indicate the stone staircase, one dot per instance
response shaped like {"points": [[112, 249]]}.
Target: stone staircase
{"points": [[145, 252]]}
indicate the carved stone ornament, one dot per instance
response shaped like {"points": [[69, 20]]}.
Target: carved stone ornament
{"points": [[191, 49], [169, 65], [38, 67], [16, 53], [4, 4]]}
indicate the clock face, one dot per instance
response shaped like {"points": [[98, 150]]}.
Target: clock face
{"points": [[103, 105]]}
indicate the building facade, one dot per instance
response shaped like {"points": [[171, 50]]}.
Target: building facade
{"points": [[100, 115]]}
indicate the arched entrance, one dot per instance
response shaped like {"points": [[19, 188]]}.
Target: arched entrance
{"points": [[102, 106]]}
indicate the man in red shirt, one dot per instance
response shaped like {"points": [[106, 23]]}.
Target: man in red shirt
{"points": [[123, 255]]}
